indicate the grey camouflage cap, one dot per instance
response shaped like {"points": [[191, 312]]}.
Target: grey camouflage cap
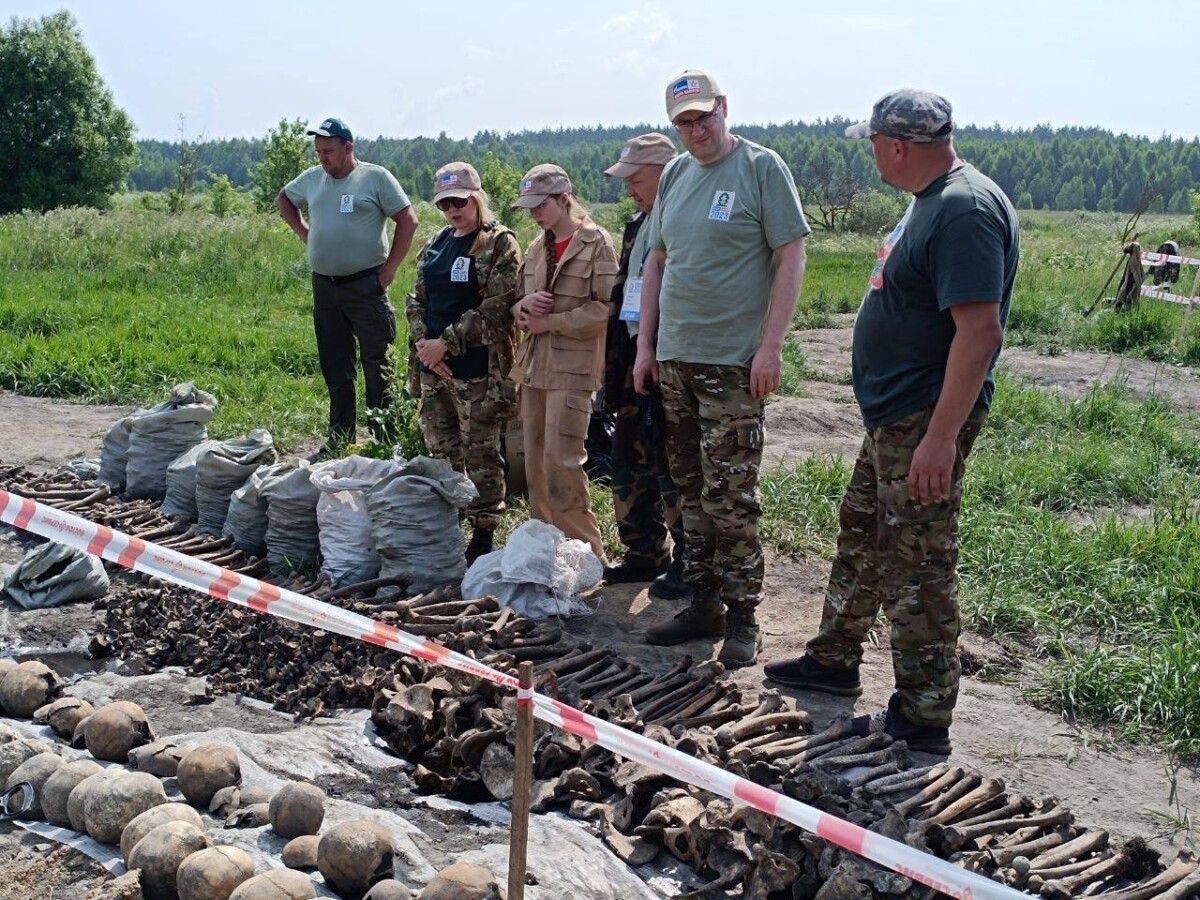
{"points": [[908, 115]]}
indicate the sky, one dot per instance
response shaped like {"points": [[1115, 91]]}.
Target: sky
{"points": [[408, 69]]}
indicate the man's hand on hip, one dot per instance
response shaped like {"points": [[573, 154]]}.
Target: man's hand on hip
{"points": [[645, 370], [931, 470], [766, 371], [386, 275]]}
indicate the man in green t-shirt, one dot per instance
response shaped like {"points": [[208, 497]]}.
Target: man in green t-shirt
{"points": [[925, 341], [349, 203], [719, 288]]}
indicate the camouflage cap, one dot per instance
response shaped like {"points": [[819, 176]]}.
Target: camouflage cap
{"points": [[541, 182], [653, 149], [456, 179], [690, 91], [908, 115]]}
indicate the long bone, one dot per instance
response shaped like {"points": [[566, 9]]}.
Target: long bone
{"points": [[968, 784], [931, 790], [954, 837], [911, 780], [1124, 862], [892, 753], [1184, 865], [1051, 856], [714, 693], [989, 789], [1020, 806], [1003, 856]]}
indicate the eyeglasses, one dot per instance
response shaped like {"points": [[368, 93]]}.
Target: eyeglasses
{"points": [[691, 124], [457, 202]]}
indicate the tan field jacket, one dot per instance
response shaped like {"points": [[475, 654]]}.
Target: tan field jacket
{"points": [[570, 356]]}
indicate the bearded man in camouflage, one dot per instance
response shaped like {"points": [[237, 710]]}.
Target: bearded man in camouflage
{"points": [[926, 338], [719, 288]]}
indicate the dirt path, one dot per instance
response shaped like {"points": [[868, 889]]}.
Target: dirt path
{"points": [[44, 434]]}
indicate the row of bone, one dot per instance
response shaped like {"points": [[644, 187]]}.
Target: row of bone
{"points": [[689, 706]]}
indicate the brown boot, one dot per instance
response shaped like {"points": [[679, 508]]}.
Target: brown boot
{"points": [[703, 617]]}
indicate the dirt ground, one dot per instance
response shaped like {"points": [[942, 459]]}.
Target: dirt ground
{"points": [[1128, 790]]}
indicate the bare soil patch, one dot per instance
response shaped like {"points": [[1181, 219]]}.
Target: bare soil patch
{"points": [[44, 434]]}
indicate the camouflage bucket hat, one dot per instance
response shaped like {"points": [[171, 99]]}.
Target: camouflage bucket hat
{"points": [[908, 115]]}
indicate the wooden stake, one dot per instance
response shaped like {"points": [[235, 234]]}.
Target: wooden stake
{"points": [[522, 788]]}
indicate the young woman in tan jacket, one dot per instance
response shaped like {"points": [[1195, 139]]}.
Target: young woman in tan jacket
{"points": [[563, 293]]}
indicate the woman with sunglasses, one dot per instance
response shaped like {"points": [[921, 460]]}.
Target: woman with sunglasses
{"points": [[462, 340], [563, 294]]}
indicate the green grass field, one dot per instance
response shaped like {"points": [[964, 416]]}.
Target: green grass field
{"points": [[1081, 537]]}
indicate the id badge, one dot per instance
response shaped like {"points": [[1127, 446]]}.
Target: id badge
{"points": [[631, 306], [461, 270], [347, 203]]}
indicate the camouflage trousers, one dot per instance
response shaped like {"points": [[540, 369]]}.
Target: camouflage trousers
{"points": [[895, 556], [714, 444], [645, 501], [462, 422]]}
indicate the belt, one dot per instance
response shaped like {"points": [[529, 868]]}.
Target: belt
{"points": [[346, 279]]}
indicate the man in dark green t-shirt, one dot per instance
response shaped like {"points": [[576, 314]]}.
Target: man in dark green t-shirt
{"points": [[925, 341]]}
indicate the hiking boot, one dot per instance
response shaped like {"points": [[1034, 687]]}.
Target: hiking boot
{"points": [[703, 617], [919, 738], [481, 543], [805, 672], [670, 584], [633, 571], [743, 639]]}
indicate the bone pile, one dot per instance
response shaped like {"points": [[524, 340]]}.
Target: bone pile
{"points": [[459, 731]]}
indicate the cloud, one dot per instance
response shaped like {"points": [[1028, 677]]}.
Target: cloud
{"points": [[638, 39]]}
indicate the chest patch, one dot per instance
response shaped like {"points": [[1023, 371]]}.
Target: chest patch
{"points": [[876, 279], [461, 270], [722, 206], [347, 203]]}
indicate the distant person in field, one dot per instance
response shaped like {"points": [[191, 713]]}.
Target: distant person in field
{"points": [[925, 341], [349, 203], [719, 288], [645, 500], [563, 294], [462, 340]]}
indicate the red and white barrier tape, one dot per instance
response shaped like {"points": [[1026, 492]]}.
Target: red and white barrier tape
{"points": [[1156, 258], [1148, 291], [178, 568]]}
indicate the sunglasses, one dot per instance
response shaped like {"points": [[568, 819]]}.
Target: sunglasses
{"points": [[457, 202]]}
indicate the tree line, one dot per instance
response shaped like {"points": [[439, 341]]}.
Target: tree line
{"points": [[1039, 168]]}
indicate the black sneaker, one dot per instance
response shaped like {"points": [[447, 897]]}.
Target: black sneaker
{"points": [[632, 572], [805, 672], [670, 584], [919, 738]]}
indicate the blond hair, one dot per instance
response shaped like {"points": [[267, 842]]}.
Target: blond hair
{"points": [[483, 208]]}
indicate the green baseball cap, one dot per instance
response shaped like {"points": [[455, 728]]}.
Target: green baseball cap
{"points": [[333, 128]]}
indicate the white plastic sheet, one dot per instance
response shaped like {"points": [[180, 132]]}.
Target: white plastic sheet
{"points": [[539, 573]]}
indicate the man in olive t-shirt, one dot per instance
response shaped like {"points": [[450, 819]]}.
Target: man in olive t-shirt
{"points": [[349, 203], [719, 288], [925, 341]]}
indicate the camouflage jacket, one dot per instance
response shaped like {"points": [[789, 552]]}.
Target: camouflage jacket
{"points": [[497, 258]]}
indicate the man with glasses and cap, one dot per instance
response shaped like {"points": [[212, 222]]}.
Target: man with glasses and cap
{"points": [[926, 338], [349, 203], [645, 501], [720, 285]]}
